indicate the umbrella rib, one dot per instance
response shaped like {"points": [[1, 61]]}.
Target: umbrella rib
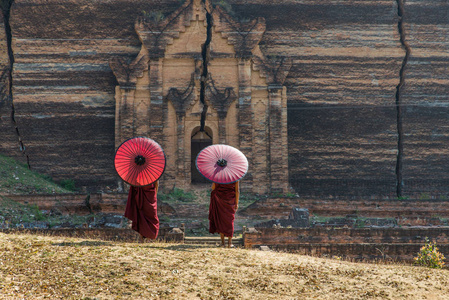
{"points": [[132, 174], [124, 149], [146, 175], [131, 150], [148, 150], [130, 147]]}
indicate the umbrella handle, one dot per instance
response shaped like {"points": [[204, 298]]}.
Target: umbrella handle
{"points": [[222, 162], [139, 160]]}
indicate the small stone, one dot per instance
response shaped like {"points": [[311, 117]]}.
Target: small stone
{"points": [[175, 231], [251, 230]]}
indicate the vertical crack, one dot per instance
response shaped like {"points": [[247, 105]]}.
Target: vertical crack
{"points": [[406, 47], [6, 10], [205, 53]]}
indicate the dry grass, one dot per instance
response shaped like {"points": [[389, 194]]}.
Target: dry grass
{"points": [[36, 267]]}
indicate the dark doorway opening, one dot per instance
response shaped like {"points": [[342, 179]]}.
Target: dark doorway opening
{"points": [[200, 140]]}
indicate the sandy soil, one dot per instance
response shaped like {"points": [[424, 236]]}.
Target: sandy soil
{"points": [[38, 267]]}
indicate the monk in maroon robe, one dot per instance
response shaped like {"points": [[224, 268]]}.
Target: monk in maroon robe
{"points": [[141, 209], [224, 202]]}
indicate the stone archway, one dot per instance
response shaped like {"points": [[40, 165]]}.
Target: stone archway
{"points": [[199, 141]]}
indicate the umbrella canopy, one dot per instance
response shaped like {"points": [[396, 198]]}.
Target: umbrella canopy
{"points": [[222, 164], [139, 161]]}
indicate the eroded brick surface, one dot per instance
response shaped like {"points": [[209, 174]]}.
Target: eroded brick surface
{"points": [[340, 137]]}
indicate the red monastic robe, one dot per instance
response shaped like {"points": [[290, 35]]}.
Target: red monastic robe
{"points": [[222, 209], [141, 209]]}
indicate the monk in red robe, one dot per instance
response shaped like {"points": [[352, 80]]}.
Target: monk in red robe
{"points": [[224, 202], [141, 209]]}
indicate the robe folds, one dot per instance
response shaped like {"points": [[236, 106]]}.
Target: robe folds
{"points": [[222, 209], [141, 209]]}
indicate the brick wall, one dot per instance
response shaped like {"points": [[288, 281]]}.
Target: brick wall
{"points": [[409, 212], [105, 203], [382, 208], [342, 136], [363, 243]]}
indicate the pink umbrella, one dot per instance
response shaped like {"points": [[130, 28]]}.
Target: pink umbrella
{"points": [[139, 161], [222, 164]]}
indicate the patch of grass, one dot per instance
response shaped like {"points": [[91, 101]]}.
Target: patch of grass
{"points": [[68, 268], [164, 219], [321, 219], [14, 214], [68, 184], [37, 213], [246, 199], [176, 195], [287, 195], [424, 196], [16, 178]]}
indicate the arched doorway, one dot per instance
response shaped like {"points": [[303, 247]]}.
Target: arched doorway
{"points": [[200, 140]]}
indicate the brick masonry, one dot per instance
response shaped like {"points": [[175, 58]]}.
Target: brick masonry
{"points": [[395, 243], [360, 244], [275, 208], [415, 212], [341, 118], [105, 203]]}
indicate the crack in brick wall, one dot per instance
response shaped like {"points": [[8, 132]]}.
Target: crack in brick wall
{"points": [[205, 53], [406, 47], [6, 10]]}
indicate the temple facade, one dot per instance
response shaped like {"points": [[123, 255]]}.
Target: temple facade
{"points": [[201, 79]]}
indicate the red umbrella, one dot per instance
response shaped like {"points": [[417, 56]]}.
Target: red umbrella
{"points": [[139, 161], [222, 164]]}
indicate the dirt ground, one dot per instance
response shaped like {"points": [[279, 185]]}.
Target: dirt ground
{"points": [[38, 267]]}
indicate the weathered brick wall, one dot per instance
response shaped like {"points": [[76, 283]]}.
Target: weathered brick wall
{"points": [[360, 252], [9, 139], [66, 203], [291, 236], [341, 89], [381, 208], [64, 88], [425, 99], [105, 203], [407, 212], [341, 95], [365, 243], [343, 128]]}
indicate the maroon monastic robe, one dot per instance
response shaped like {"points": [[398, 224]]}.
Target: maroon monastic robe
{"points": [[141, 209], [222, 209]]}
